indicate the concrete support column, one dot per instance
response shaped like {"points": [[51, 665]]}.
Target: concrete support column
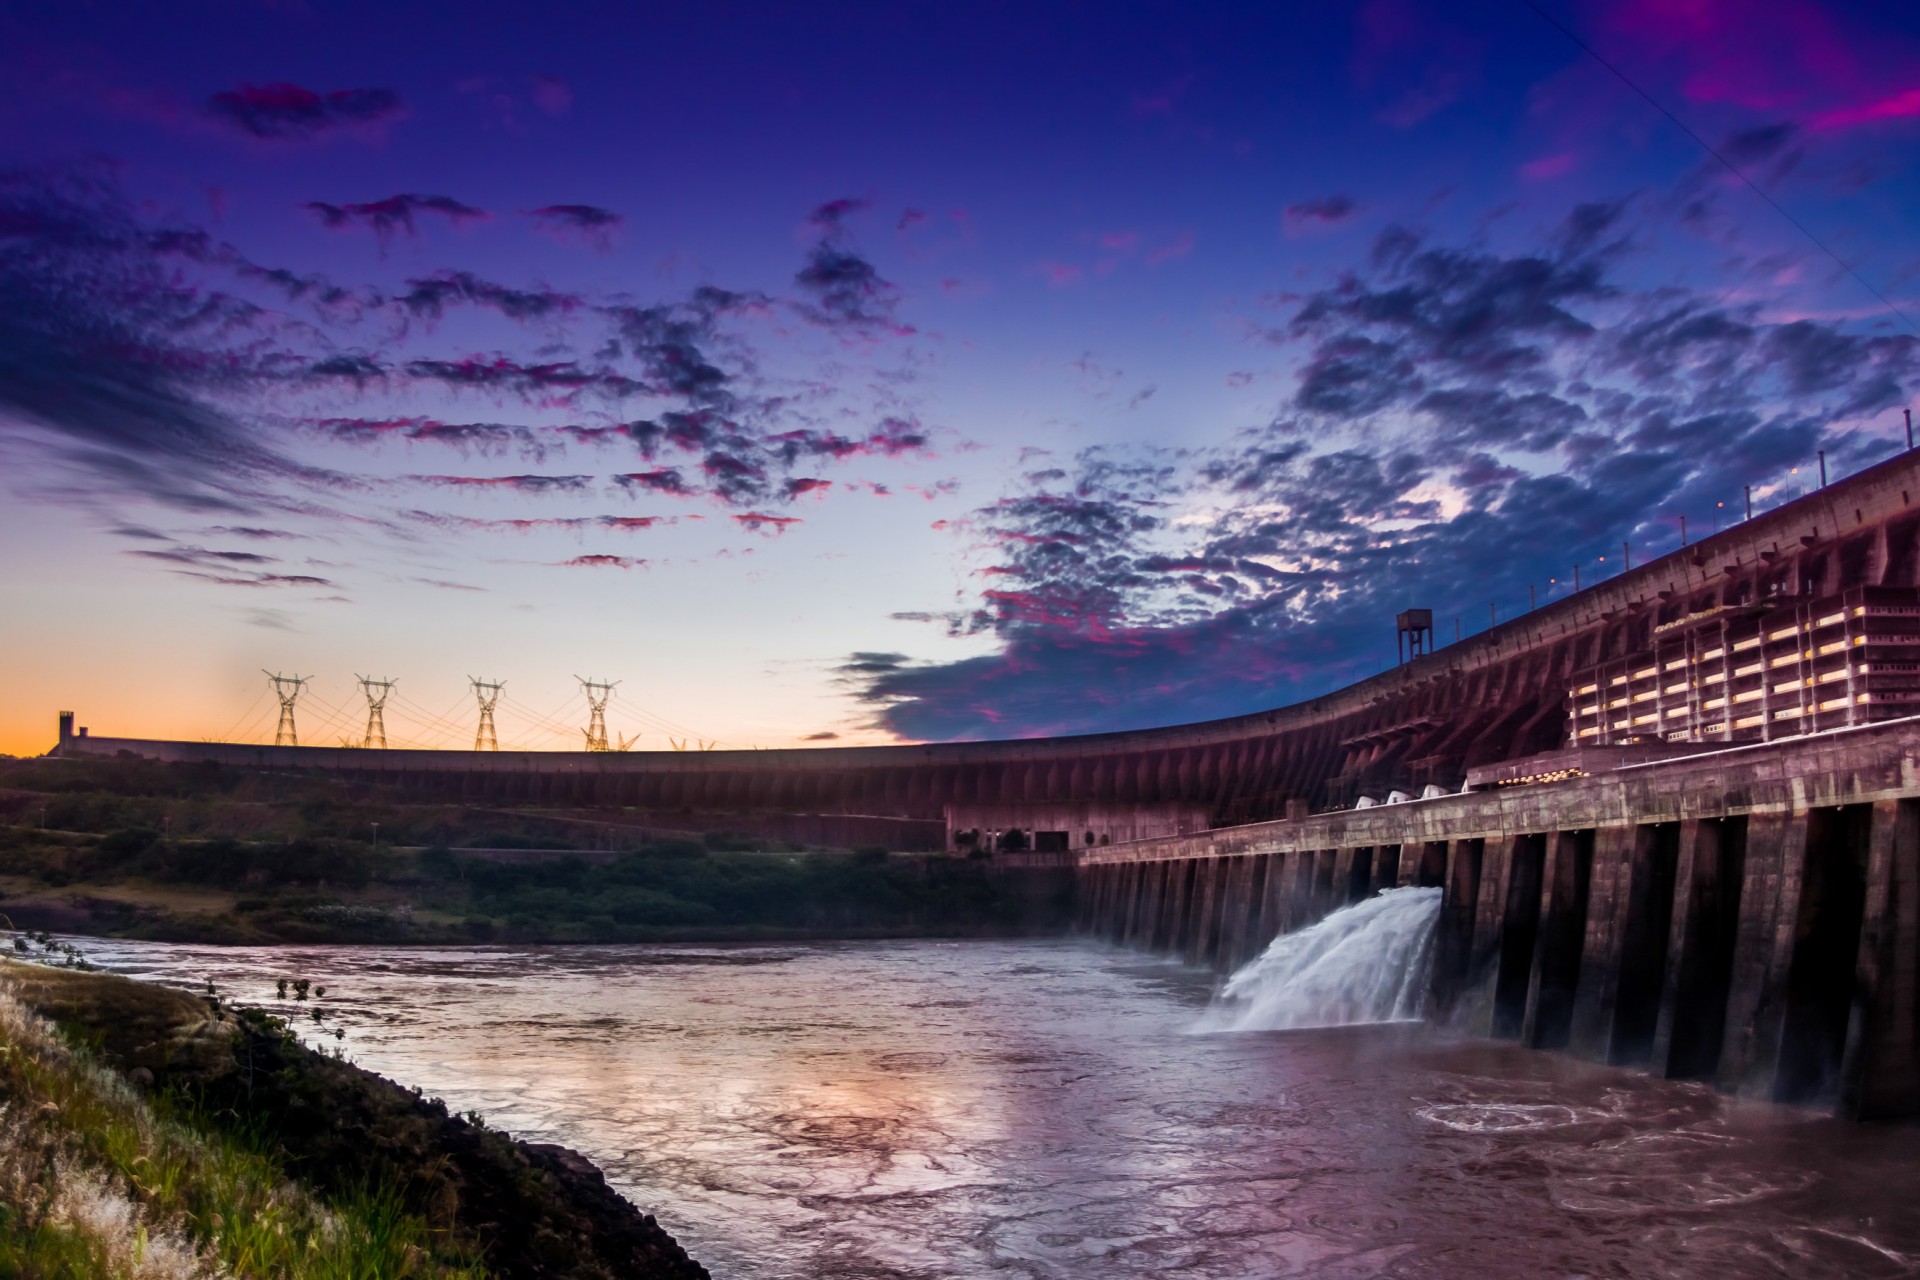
{"points": [[1230, 912], [1693, 1005], [1473, 1005], [1880, 1073], [1160, 915], [1203, 912], [1325, 899], [1763, 951], [1454, 934], [1386, 868], [1114, 902], [1139, 924], [1408, 870], [1274, 920], [1306, 877], [1260, 925], [1107, 909], [1340, 892], [1595, 993], [1237, 907], [1179, 894], [1089, 892], [1565, 884], [1126, 917]]}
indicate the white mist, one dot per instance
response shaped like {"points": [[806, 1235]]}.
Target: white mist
{"points": [[1364, 963]]}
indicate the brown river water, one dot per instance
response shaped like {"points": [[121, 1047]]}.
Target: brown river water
{"points": [[1047, 1109]]}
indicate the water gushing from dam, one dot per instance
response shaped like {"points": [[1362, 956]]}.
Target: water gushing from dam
{"points": [[1364, 963]]}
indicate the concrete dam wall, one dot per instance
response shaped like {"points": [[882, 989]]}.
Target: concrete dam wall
{"points": [[1749, 917], [1495, 696]]}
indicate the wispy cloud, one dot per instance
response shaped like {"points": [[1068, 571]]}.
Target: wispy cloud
{"points": [[1323, 211], [579, 224], [395, 214], [291, 113]]}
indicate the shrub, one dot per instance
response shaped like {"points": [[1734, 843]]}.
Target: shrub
{"points": [[676, 847]]}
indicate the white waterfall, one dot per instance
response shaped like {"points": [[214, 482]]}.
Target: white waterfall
{"points": [[1364, 963]]}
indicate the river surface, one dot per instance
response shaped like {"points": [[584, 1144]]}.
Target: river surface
{"points": [[1046, 1109]]}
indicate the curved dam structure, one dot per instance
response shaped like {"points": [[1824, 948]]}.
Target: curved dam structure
{"points": [[1497, 696], [1674, 818]]}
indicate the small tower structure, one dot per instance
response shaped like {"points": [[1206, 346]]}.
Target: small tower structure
{"points": [[1415, 633]]}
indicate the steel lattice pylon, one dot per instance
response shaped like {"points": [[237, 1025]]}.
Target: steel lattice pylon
{"points": [[376, 691], [597, 691], [287, 689], [486, 693]]}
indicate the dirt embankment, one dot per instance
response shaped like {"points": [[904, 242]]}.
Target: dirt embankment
{"points": [[530, 1211]]}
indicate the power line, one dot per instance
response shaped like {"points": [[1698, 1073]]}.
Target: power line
{"points": [[1705, 146]]}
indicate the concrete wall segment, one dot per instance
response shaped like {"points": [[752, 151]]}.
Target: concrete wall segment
{"points": [[1487, 696]]}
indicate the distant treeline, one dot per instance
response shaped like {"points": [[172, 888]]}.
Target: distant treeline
{"points": [[275, 857]]}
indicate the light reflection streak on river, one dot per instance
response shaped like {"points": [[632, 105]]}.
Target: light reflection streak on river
{"points": [[1042, 1109]]}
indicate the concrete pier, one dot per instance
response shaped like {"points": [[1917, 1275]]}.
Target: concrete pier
{"points": [[1749, 917]]}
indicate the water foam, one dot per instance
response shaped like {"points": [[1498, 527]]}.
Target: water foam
{"points": [[1364, 963]]}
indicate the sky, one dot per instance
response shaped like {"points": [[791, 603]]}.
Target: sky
{"points": [[843, 374]]}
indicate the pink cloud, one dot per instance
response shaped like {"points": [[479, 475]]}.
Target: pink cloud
{"points": [[1160, 102], [1548, 167], [1810, 61], [552, 95], [604, 562], [1901, 106], [1057, 274], [1120, 241], [760, 522], [1179, 247], [1405, 50]]}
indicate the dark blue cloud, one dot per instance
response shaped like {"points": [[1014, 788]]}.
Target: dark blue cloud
{"points": [[288, 112], [1466, 425]]}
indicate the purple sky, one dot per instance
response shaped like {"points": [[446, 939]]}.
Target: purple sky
{"points": [[961, 372]]}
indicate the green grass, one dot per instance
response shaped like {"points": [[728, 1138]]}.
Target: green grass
{"points": [[97, 1181]]}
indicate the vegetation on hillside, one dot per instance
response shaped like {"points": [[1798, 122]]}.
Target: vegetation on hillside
{"points": [[99, 1181], [135, 848], [148, 1134]]}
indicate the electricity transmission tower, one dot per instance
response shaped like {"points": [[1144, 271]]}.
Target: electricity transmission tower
{"points": [[486, 693], [597, 691], [285, 688], [376, 691]]}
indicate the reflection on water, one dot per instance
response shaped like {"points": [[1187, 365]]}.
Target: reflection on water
{"points": [[1041, 1110]]}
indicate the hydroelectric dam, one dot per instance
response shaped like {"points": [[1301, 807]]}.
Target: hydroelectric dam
{"points": [[1672, 816]]}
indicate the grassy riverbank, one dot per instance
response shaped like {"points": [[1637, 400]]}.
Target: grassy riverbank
{"points": [[192, 853], [147, 1135]]}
